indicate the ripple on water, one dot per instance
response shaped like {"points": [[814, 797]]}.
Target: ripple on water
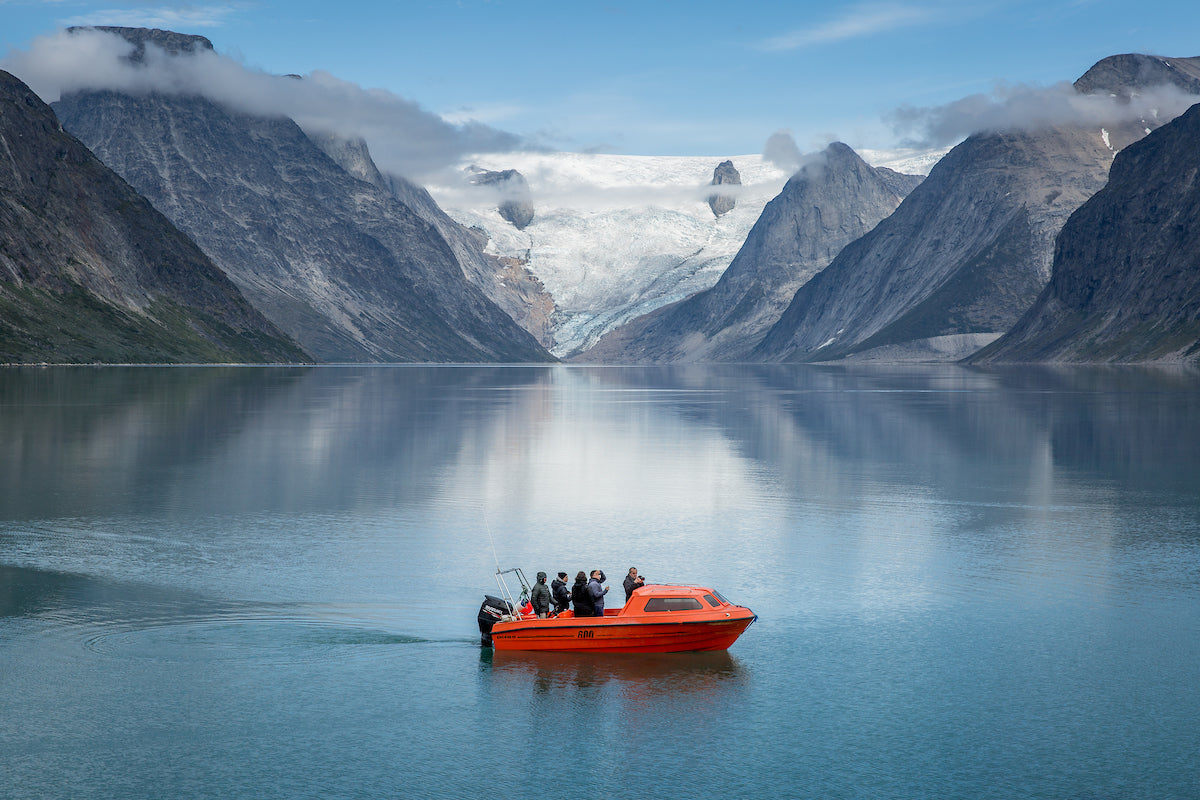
{"points": [[264, 636]]}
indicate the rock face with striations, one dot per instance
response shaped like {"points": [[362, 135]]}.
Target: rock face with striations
{"points": [[1126, 282], [724, 175], [91, 272], [829, 203], [342, 265]]}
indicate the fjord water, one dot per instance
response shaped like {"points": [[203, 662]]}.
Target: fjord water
{"points": [[263, 582]]}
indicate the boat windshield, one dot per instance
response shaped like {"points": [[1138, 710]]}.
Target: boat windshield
{"points": [[673, 604], [721, 597]]}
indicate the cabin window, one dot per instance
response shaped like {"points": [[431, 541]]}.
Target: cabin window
{"points": [[721, 597], [673, 604], [712, 601]]}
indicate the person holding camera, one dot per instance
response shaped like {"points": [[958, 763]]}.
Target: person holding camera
{"points": [[633, 581]]}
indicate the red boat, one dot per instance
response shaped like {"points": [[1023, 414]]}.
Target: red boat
{"points": [[656, 619]]}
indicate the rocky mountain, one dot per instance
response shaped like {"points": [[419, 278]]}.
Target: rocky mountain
{"points": [[1126, 75], [342, 265], [514, 203], [506, 281], [970, 249], [830, 202], [1126, 279], [725, 174], [91, 272]]}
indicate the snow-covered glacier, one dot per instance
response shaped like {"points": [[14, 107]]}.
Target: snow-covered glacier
{"points": [[617, 236]]}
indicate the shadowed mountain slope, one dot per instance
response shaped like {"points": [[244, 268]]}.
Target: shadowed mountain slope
{"points": [[1126, 282], [91, 272]]}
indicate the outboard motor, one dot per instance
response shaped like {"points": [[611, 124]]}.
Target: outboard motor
{"points": [[489, 614]]}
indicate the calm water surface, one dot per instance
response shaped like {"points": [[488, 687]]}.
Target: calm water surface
{"points": [[262, 583]]}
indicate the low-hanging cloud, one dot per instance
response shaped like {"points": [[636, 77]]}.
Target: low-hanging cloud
{"points": [[1021, 107], [781, 150], [404, 138]]}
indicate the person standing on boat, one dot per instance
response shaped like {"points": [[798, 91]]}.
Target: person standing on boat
{"points": [[581, 598], [633, 581], [560, 593], [540, 597], [597, 591]]}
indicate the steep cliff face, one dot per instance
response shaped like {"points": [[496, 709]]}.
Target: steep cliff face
{"points": [[340, 264], [91, 272], [1126, 282], [831, 202]]}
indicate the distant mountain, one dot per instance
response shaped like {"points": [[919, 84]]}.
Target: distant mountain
{"points": [[1126, 279], [970, 249], [959, 261], [343, 266], [725, 174], [829, 203], [91, 272], [515, 204], [1127, 74]]}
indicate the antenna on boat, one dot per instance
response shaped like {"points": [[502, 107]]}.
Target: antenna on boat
{"points": [[491, 539], [505, 593]]}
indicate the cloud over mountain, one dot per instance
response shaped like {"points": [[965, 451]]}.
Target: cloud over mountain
{"points": [[404, 138], [1021, 107]]}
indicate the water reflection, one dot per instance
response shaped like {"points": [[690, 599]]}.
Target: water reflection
{"points": [[644, 675]]}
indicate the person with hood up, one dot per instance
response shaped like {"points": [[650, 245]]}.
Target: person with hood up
{"points": [[540, 597], [597, 591], [560, 593], [581, 598]]}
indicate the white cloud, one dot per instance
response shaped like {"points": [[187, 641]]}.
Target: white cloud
{"points": [[404, 138], [856, 22], [1032, 108]]}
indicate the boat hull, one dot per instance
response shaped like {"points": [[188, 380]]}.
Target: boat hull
{"points": [[616, 635]]}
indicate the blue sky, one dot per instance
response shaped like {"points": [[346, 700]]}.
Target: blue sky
{"points": [[660, 78]]}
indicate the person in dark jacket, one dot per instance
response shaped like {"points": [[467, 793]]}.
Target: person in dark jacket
{"points": [[633, 581], [581, 598], [540, 597], [560, 593], [597, 591]]}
